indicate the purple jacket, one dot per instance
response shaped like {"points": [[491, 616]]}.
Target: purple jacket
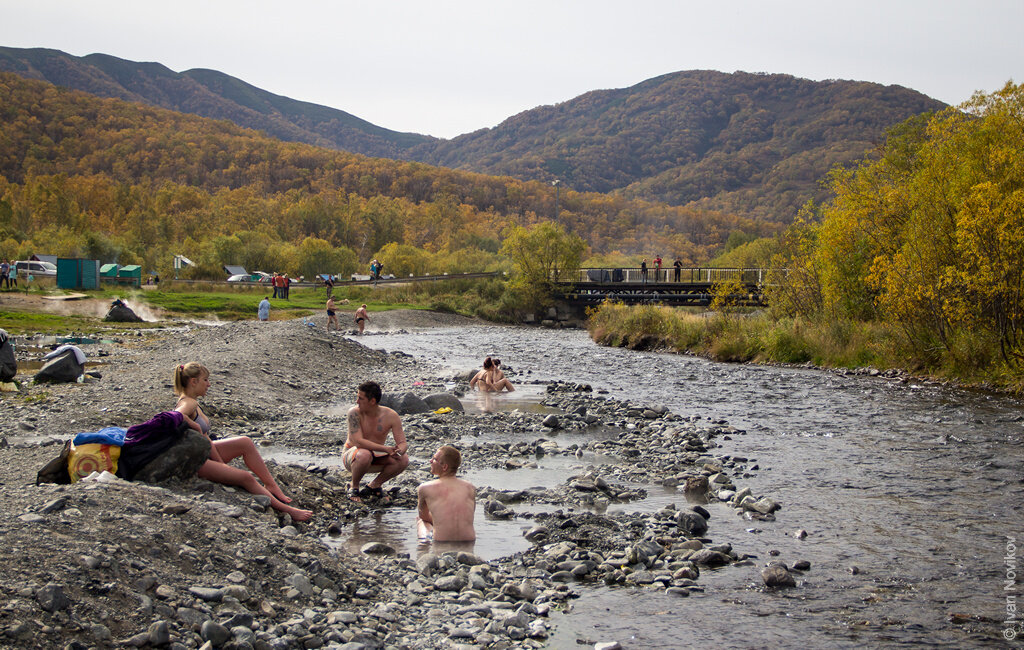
{"points": [[158, 426]]}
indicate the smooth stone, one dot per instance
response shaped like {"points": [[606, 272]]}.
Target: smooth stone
{"points": [[208, 594], [377, 548], [777, 575], [215, 633]]}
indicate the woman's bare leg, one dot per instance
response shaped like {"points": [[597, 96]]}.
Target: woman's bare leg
{"points": [[228, 475], [231, 448]]}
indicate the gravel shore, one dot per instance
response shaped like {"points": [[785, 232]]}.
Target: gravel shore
{"points": [[194, 564]]}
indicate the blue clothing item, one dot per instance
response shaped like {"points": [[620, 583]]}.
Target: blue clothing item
{"points": [[264, 310], [105, 436]]}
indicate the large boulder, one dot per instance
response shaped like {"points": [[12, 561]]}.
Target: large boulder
{"points": [[60, 369], [122, 313], [182, 460], [8, 364], [441, 400], [404, 403]]}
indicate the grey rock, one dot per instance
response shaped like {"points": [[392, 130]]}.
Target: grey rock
{"points": [[765, 506], [301, 583], [640, 577], [181, 461], [54, 505], [159, 633], [63, 368], [405, 404], [377, 548], [537, 534], [468, 559], [607, 645], [709, 557], [32, 518], [777, 575], [215, 633], [552, 422], [427, 563], [692, 523], [100, 632], [51, 597], [455, 582], [193, 618], [209, 594], [441, 400]]}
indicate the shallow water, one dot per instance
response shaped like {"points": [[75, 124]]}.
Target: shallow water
{"points": [[909, 493]]}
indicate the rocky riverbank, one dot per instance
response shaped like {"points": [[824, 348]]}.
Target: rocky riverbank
{"points": [[194, 564]]}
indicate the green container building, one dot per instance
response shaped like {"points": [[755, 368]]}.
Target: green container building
{"points": [[130, 274], [74, 273]]}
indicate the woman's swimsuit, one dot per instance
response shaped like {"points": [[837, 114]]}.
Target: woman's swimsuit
{"points": [[201, 420]]}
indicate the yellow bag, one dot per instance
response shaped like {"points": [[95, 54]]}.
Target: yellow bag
{"points": [[443, 410], [93, 457]]}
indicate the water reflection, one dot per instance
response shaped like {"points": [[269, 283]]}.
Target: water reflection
{"points": [[397, 528]]}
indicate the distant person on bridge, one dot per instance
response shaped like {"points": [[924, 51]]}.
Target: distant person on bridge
{"points": [[361, 318], [679, 268], [657, 268], [643, 271]]}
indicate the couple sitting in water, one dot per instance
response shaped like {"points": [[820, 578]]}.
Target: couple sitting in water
{"points": [[491, 379]]}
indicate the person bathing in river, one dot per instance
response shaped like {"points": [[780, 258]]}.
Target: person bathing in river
{"points": [[332, 316], [366, 450], [491, 379], [446, 504], [361, 318], [191, 381]]}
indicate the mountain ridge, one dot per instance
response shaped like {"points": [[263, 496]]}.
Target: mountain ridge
{"points": [[751, 143]]}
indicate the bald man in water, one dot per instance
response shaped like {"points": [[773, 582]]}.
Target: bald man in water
{"points": [[446, 504]]}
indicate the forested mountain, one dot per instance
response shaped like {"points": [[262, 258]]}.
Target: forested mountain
{"points": [[115, 180], [752, 144], [211, 94]]}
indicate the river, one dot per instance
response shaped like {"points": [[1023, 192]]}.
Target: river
{"points": [[910, 494]]}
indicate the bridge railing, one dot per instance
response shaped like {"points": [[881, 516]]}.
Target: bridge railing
{"points": [[699, 275]]}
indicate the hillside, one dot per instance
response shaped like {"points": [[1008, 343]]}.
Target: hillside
{"points": [[85, 176], [751, 144], [210, 94]]}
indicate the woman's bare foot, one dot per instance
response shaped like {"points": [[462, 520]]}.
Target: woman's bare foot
{"points": [[278, 494], [297, 514]]}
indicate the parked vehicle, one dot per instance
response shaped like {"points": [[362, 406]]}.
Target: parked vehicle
{"points": [[26, 268], [255, 276]]}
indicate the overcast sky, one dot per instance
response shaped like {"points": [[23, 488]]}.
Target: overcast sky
{"points": [[447, 67]]}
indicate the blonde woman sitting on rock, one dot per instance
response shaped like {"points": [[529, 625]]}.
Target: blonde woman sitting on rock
{"points": [[191, 381]]}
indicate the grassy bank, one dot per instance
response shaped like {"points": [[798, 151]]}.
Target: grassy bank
{"points": [[25, 311], [759, 338]]}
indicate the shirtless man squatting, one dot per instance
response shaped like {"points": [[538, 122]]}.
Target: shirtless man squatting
{"points": [[365, 449], [446, 504]]}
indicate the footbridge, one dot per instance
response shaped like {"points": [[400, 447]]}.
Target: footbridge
{"points": [[668, 286]]}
